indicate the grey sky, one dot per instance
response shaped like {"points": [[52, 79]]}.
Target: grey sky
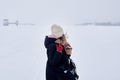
{"points": [[60, 11]]}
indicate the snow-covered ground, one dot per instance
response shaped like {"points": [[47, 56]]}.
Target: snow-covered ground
{"points": [[96, 51]]}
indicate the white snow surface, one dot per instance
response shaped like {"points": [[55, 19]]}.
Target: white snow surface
{"points": [[96, 51]]}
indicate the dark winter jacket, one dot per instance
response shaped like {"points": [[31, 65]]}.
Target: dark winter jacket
{"points": [[58, 64]]}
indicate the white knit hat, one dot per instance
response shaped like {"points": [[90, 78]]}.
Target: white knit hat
{"points": [[56, 30]]}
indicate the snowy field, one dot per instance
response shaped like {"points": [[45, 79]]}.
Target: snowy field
{"points": [[96, 51]]}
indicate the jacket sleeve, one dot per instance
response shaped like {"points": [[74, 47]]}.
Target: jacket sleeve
{"points": [[54, 56]]}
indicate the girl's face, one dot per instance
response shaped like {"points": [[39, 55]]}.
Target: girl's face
{"points": [[61, 40]]}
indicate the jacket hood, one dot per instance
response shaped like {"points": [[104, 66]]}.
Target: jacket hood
{"points": [[49, 40]]}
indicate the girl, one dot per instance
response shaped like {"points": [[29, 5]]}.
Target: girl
{"points": [[59, 65]]}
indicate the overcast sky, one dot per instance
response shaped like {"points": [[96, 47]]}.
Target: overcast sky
{"points": [[60, 11]]}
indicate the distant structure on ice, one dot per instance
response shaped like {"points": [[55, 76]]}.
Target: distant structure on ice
{"points": [[6, 22], [99, 24]]}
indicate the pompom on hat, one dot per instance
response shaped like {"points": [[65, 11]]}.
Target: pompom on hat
{"points": [[57, 30]]}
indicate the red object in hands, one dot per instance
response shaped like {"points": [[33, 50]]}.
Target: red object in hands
{"points": [[59, 47]]}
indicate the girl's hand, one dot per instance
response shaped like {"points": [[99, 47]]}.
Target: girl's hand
{"points": [[68, 51], [58, 41]]}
